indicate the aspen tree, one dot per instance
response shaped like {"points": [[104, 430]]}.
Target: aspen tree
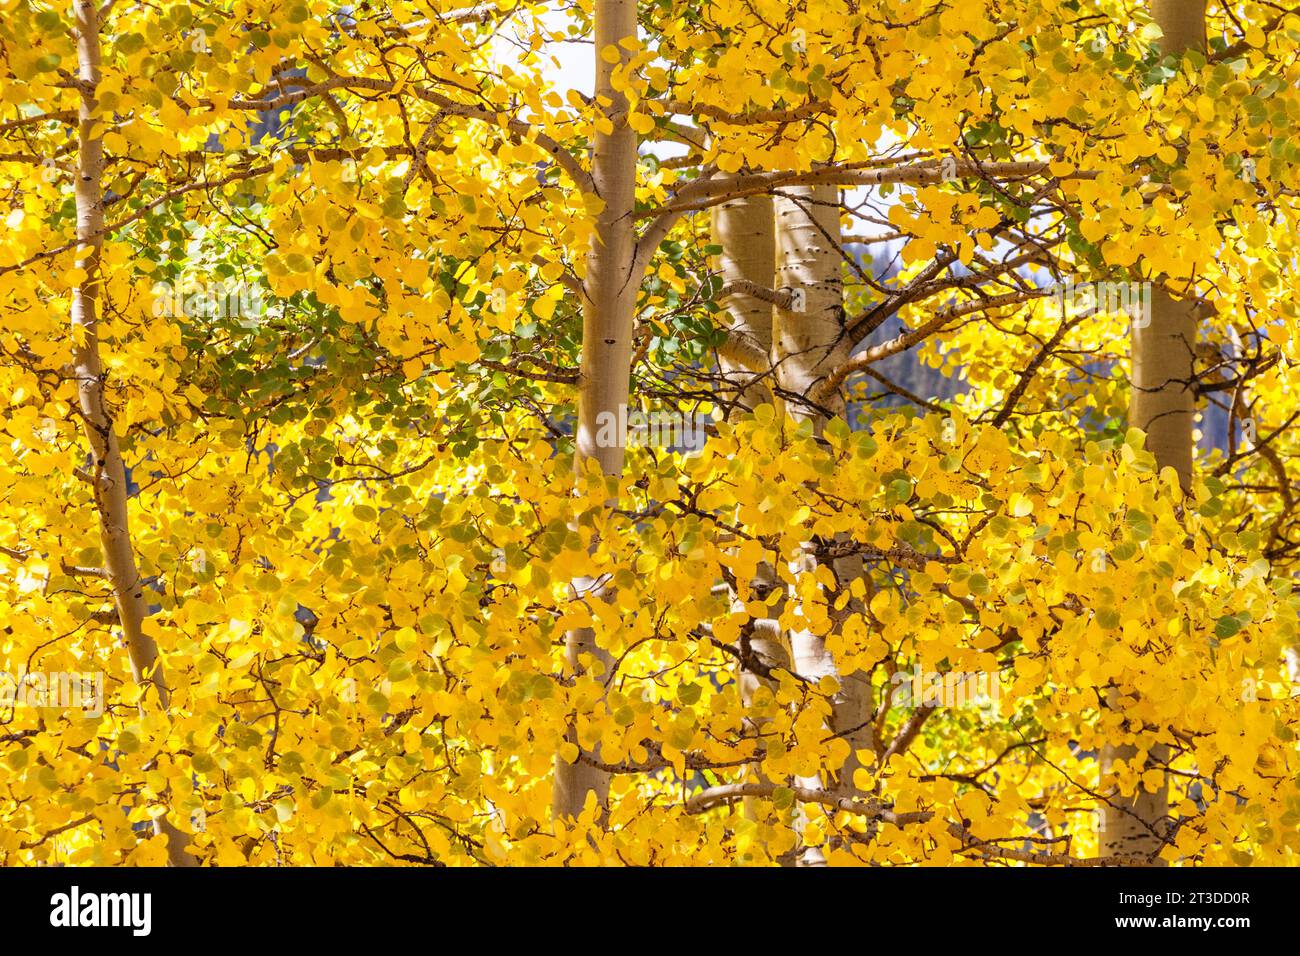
{"points": [[1162, 402], [809, 342], [609, 295], [107, 472]]}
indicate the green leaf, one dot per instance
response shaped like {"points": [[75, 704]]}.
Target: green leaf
{"points": [[1139, 524], [1230, 624]]}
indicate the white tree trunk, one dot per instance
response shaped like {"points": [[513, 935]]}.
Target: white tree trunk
{"points": [[1162, 403], [108, 469], [807, 346], [808, 343], [610, 296], [765, 644], [745, 230], [1162, 400]]}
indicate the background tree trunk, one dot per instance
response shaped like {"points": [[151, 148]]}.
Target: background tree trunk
{"points": [[1162, 399], [745, 230], [1183, 24], [1163, 404], [807, 346]]}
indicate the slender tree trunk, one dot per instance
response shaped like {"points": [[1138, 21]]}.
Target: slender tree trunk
{"points": [[764, 647], [108, 471], [808, 339], [1162, 400], [610, 297], [1183, 24], [809, 342], [745, 230], [1162, 403]]}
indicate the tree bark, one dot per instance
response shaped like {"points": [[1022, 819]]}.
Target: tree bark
{"points": [[765, 645], [809, 343], [109, 471], [808, 346], [1163, 404], [745, 230], [1183, 24], [1162, 400], [609, 289]]}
